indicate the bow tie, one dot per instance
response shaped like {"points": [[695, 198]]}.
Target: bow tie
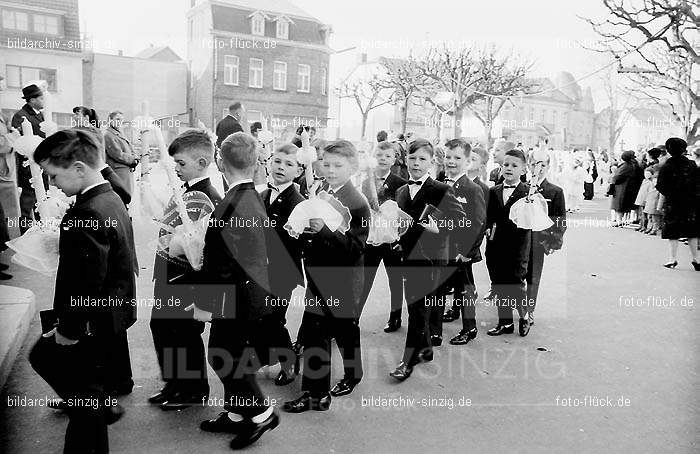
{"points": [[273, 187], [418, 182], [186, 185], [508, 186]]}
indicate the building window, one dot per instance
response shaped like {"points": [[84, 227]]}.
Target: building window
{"points": [[14, 20], [230, 70], [45, 24], [258, 25], [255, 74], [20, 76], [279, 80], [324, 81], [282, 29], [304, 78]]}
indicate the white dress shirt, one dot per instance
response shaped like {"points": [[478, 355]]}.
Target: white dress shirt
{"points": [[414, 188]]}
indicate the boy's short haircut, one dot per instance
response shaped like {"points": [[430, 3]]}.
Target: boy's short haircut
{"points": [[421, 143], [459, 143], [517, 154], [288, 149], [345, 149], [65, 147], [382, 136], [386, 146], [239, 150], [195, 142], [483, 154]]}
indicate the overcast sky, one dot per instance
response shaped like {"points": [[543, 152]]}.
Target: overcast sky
{"points": [[545, 31]]}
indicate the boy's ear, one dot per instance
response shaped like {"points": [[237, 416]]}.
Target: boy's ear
{"points": [[300, 170], [203, 162], [81, 167]]}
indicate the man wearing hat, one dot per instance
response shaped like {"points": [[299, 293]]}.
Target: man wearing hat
{"points": [[32, 112]]}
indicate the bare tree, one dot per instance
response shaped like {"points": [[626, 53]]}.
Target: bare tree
{"points": [[501, 76], [454, 71], [663, 35], [404, 79], [368, 92], [617, 114], [672, 24], [671, 88]]}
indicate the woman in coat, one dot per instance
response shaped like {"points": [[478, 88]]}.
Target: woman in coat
{"points": [[120, 154], [679, 183], [627, 180]]}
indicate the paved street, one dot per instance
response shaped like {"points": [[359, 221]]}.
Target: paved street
{"points": [[593, 337]]}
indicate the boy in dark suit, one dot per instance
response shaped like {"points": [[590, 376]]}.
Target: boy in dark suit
{"points": [[231, 291], [334, 272], [284, 253], [386, 184], [424, 249], [177, 337], [508, 247], [470, 195], [477, 167], [551, 239], [94, 300]]}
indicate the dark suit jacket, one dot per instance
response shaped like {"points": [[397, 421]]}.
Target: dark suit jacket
{"points": [[553, 237], [510, 245], [476, 252], [117, 184], [284, 251], [475, 213], [233, 282], [23, 173], [96, 256], [227, 126], [334, 261], [387, 191], [419, 244]]}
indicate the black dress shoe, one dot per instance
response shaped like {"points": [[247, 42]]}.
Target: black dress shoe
{"points": [[344, 387], [436, 341], [113, 413], [221, 423], [450, 315], [696, 265], [392, 325], [5, 276], [464, 337], [308, 402], [162, 395], [250, 432], [402, 371], [285, 377], [4, 267], [181, 400], [523, 327], [501, 329]]}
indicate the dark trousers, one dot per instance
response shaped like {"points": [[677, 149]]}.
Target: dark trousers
{"points": [[119, 364], [508, 280], [392, 263], [76, 373], [180, 351], [436, 302], [464, 296], [280, 340], [588, 191], [320, 328], [421, 278], [234, 360], [534, 273]]}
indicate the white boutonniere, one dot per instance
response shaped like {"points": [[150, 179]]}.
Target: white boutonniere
{"points": [[461, 200]]}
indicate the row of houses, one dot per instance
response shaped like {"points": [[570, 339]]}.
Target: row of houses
{"points": [[274, 58]]}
